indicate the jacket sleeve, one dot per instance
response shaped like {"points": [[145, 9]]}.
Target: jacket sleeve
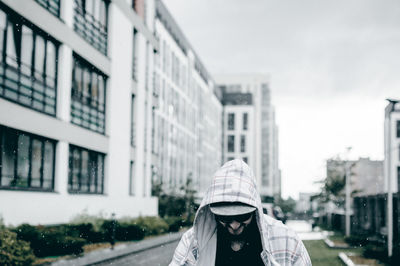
{"points": [[182, 249], [303, 259]]}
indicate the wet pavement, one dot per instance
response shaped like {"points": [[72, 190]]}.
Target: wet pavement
{"points": [[159, 256]]}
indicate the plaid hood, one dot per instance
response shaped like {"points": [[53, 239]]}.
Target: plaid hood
{"points": [[233, 182]]}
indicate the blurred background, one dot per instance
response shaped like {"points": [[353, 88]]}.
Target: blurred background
{"points": [[114, 115]]}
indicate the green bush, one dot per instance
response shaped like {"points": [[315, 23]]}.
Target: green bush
{"points": [[50, 241], [126, 232], [13, 251], [151, 225], [357, 240], [375, 252], [174, 223]]}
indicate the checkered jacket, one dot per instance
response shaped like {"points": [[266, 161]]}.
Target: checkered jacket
{"points": [[234, 182]]}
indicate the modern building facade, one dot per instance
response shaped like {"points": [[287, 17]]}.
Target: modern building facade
{"points": [[249, 129], [186, 135], [76, 99]]}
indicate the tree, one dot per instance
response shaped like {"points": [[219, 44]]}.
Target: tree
{"points": [[333, 186], [287, 205]]}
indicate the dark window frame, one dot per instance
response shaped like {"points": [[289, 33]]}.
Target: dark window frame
{"points": [[80, 102], [231, 143], [398, 128], [25, 89], [53, 6], [32, 137], [242, 143], [90, 154], [90, 28], [245, 121], [231, 121]]}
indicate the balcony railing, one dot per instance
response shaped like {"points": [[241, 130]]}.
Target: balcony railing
{"points": [[53, 6], [26, 89], [91, 28]]}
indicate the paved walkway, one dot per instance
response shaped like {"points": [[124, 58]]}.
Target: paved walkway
{"points": [[104, 255], [304, 230]]}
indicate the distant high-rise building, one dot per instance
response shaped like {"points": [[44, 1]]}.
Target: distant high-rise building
{"points": [[186, 136], [249, 129]]}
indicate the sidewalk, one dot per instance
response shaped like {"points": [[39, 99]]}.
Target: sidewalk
{"points": [[120, 251], [304, 230]]}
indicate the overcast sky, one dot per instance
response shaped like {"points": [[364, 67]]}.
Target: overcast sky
{"points": [[331, 63]]}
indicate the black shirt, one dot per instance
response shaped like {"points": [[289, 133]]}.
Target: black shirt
{"points": [[249, 255]]}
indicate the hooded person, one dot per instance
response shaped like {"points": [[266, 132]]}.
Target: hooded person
{"points": [[230, 227]]}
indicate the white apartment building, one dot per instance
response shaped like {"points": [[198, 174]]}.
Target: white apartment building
{"points": [[75, 109], [187, 120], [249, 128]]}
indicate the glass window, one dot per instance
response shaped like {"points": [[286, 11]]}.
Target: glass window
{"points": [[242, 143], [23, 161], [26, 50], [37, 157], [39, 57], [398, 129], [11, 45], [231, 121], [245, 159], [87, 96], [3, 23], [53, 6], [131, 179], [32, 155], [25, 64], [245, 121], [231, 143], [86, 170], [91, 22]]}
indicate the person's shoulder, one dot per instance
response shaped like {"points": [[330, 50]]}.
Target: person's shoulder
{"points": [[278, 229]]}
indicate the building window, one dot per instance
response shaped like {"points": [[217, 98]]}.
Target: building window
{"points": [[90, 22], [134, 55], [245, 121], [230, 159], [245, 159], [231, 143], [231, 121], [53, 6], [398, 129], [88, 96], [86, 171], [28, 68], [27, 161], [242, 143], [133, 121], [131, 179]]}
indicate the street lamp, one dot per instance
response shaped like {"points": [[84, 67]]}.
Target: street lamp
{"points": [[388, 172], [348, 189]]}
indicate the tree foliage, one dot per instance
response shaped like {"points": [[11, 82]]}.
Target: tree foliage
{"points": [[287, 205], [333, 186]]}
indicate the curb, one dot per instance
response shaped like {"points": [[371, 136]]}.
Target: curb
{"points": [[346, 260], [119, 251], [330, 244]]}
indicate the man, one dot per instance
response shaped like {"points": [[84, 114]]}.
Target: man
{"points": [[231, 229]]}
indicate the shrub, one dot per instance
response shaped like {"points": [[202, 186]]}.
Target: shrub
{"points": [[375, 252], [357, 240], [174, 223], [50, 241], [127, 231], [151, 225], [13, 251]]}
